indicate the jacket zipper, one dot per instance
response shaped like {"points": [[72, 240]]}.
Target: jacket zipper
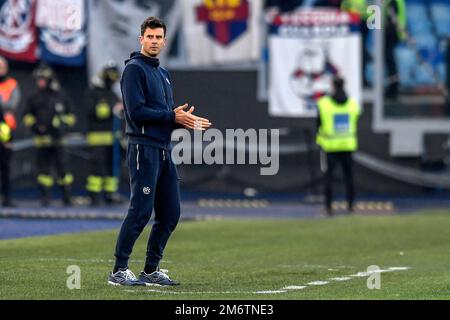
{"points": [[137, 157], [160, 76], [164, 155]]}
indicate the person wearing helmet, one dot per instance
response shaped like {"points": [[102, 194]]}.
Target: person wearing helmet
{"points": [[104, 113], [48, 115], [9, 101]]}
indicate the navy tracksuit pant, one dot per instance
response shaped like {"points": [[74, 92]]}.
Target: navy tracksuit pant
{"points": [[154, 184]]}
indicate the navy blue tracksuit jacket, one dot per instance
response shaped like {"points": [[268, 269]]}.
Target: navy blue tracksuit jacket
{"points": [[150, 120]]}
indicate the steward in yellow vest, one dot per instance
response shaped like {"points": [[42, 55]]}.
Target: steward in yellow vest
{"points": [[337, 137], [338, 130]]}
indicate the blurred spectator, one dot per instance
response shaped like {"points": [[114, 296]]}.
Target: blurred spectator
{"points": [[360, 7], [394, 26], [104, 106], [48, 114], [290, 5], [337, 137], [9, 100], [284, 5], [327, 3]]}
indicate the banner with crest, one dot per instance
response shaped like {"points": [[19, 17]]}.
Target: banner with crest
{"points": [[307, 48], [18, 34], [62, 31], [222, 32]]}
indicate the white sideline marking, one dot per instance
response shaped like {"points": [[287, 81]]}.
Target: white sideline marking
{"points": [[270, 291], [318, 283], [340, 279], [315, 266], [366, 274], [293, 288], [361, 274], [282, 290], [189, 292]]}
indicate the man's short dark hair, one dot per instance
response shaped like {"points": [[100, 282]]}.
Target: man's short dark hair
{"points": [[152, 23]]}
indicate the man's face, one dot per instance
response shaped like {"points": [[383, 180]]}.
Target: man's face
{"points": [[152, 42]]}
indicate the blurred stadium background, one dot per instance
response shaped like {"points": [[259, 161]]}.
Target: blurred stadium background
{"points": [[225, 67]]}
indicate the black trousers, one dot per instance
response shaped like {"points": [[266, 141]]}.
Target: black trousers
{"points": [[5, 157], [391, 41], [101, 161], [365, 51], [154, 184], [49, 157], [344, 159]]}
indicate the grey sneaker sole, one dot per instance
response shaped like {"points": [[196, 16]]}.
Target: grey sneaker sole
{"points": [[114, 283]]}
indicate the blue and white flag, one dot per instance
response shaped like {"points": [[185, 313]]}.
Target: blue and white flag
{"points": [[62, 31]]}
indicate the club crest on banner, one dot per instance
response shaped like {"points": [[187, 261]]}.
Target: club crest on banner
{"points": [[65, 43], [62, 31], [311, 77], [225, 20], [307, 48], [16, 19]]}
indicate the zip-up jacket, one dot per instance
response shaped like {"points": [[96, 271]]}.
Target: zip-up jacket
{"points": [[148, 102]]}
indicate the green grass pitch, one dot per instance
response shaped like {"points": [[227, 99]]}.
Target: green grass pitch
{"points": [[247, 259]]}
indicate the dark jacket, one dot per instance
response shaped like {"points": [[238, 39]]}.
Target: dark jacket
{"points": [[43, 106], [148, 102], [95, 97]]}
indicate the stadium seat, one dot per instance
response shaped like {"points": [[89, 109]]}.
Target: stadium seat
{"points": [[440, 15], [407, 64], [423, 76], [426, 41], [418, 22]]}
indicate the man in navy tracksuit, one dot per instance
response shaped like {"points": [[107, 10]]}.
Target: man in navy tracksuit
{"points": [[150, 118]]}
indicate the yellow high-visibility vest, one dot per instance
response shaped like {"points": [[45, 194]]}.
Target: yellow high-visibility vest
{"points": [[338, 129], [5, 132]]}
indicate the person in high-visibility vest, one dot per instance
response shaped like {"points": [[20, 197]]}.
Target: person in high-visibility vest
{"points": [[49, 115], [103, 106], [9, 101], [337, 137]]}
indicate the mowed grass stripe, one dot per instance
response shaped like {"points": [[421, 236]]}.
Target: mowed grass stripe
{"points": [[233, 259]]}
